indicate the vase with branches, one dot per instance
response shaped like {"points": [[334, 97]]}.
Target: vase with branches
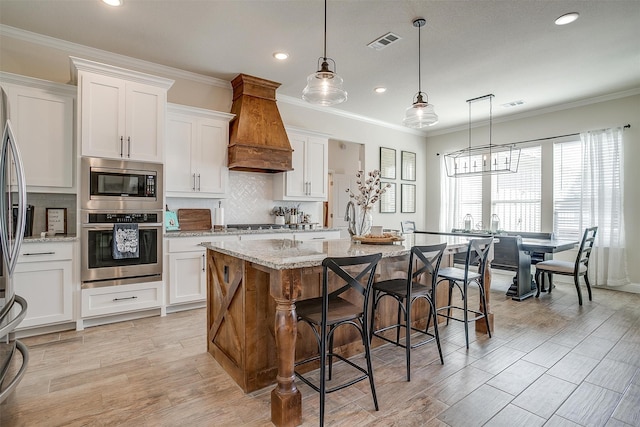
{"points": [[368, 192]]}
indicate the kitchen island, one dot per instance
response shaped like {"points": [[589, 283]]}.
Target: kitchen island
{"points": [[252, 288]]}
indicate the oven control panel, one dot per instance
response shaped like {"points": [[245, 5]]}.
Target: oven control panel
{"points": [[115, 218]]}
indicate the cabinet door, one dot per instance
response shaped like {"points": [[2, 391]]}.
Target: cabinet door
{"points": [[43, 124], [47, 288], [296, 179], [181, 133], [102, 110], [187, 279], [144, 132], [212, 173], [317, 167]]}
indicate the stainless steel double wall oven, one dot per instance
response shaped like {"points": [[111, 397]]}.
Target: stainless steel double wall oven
{"points": [[116, 192]]}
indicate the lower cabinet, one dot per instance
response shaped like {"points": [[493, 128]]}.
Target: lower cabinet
{"points": [[317, 235], [187, 268], [43, 277], [121, 299]]}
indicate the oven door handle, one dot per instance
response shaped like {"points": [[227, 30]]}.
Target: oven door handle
{"points": [[110, 226]]}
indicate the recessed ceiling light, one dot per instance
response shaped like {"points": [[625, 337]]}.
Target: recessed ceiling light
{"points": [[113, 2], [567, 18], [380, 89], [281, 55], [513, 104]]}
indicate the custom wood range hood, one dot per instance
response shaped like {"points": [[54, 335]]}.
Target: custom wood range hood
{"points": [[258, 141]]}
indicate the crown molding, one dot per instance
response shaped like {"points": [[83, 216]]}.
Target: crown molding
{"points": [[15, 79], [541, 111], [76, 49]]}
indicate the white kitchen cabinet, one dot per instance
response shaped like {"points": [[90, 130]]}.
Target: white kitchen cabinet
{"points": [[121, 113], [187, 268], [196, 151], [41, 115], [308, 179], [109, 300], [43, 277]]}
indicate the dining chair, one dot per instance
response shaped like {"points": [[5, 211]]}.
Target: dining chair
{"points": [[330, 311], [567, 268], [424, 262], [478, 254], [408, 226]]}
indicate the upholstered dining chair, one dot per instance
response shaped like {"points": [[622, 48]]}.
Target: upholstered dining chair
{"points": [[477, 254], [424, 260], [330, 311], [576, 269]]}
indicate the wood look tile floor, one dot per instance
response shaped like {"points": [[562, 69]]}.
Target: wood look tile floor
{"points": [[550, 362]]}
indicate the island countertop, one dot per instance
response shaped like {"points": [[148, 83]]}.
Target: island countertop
{"points": [[284, 254]]}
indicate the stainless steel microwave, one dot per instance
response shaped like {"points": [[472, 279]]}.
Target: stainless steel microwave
{"points": [[120, 185]]}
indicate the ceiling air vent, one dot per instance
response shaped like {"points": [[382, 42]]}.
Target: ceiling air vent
{"points": [[384, 41], [513, 104]]}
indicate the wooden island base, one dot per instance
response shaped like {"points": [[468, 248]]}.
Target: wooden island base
{"points": [[253, 330]]}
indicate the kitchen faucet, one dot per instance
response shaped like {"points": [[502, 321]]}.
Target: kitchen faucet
{"points": [[350, 217]]}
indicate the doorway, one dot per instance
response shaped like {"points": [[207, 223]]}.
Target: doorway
{"points": [[345, 159]]}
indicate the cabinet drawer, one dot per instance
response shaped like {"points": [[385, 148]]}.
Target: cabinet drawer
{"points": [[38, 252], [119, 299]]}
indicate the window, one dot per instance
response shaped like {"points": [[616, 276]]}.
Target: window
{"points": [[517, 197], [459, 197], [587, 187]]}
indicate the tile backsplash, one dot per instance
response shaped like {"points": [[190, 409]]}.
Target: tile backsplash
{"points": [[250, 200]]}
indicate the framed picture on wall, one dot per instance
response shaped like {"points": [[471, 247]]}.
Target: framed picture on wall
{"points": [[388, 198], [387, 163], [408, 162], [408, 198]]}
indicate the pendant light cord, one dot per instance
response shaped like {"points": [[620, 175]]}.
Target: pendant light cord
{"points": [[419, 61], [325, 31]]}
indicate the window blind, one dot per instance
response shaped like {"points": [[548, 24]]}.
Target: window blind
{"points": [[517, 197]]}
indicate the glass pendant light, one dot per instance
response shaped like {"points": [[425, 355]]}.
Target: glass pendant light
{"points": [[324, 87], [420, 113]]}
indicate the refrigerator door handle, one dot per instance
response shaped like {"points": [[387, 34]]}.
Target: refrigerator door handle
{"points": [[10, 156]]}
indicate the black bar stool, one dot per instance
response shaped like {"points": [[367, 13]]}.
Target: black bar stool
{"points": [[326, 313], [477, 254], [423, 260]]}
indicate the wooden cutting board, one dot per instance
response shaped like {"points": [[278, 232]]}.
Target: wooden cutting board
{"points": [[194, 219]]}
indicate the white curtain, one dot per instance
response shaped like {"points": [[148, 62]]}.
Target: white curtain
{"points": [[602, 204]]}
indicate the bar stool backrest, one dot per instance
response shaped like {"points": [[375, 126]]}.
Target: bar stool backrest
{"points": [[477, 254]]}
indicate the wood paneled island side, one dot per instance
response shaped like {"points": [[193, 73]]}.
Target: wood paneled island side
{"points": [[252, 287]]}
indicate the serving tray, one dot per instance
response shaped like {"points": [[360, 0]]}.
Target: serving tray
{"points": [[382, 240]]}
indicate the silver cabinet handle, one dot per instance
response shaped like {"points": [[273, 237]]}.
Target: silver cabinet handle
{"points": [[121, 145], [203, 262], [194, 182], [129, 146], [39, 253], [198, 182]]}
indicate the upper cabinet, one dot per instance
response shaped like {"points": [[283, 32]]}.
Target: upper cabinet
{"points": [[196, 147], [308, 179], [41, 115], [121, 113]]}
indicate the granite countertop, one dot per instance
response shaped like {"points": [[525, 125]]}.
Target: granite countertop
{"points": [[54, 239], [283, 254], [235, 232]]}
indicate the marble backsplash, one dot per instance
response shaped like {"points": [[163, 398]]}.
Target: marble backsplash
{"points": [[250, 200]]}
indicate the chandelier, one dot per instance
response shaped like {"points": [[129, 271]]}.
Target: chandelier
{"points": [[483, 159]]}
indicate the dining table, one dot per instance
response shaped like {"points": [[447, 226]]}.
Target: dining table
{"points": [[252, 289], [524, 289]]}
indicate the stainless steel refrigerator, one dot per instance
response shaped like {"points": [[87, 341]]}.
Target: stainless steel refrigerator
{"points": [[14, 355]]}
